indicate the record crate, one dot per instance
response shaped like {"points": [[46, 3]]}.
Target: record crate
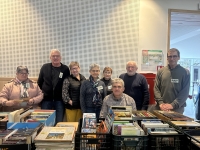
{"points": [[192, 139], [130, 142], [167, 141], [92, 141]]}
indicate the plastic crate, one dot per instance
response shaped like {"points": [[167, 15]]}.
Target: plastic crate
{"points": [[192, 139], [130, 142], [92, 141], [167, 141]]}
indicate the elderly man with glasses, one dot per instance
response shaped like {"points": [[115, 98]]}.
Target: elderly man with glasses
{"points": [[172, 84], [20, 92]]}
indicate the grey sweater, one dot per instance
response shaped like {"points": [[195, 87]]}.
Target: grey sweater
{"points": [[110, 100], [172, 87]]}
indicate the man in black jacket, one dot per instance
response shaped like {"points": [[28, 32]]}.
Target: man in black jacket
{"points": [[50, 80]]}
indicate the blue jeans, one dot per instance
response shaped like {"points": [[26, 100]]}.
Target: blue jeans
{"points": [[55, 105], [95, 110]]}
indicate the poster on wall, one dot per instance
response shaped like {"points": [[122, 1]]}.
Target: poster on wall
{"points": [[151, 59]]}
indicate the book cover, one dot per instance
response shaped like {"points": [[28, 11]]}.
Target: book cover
{"points": [[85, 123], [56, 134], [166, 131], [67, 124]]}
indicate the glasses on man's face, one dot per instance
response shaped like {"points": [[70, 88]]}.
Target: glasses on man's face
{"points": [[23, 73], [55, 56], [115, 87], [172, 56]]}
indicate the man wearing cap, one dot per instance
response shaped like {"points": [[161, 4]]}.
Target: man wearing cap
{"points": [[20, 91]]}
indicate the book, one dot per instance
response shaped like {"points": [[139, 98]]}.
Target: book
{"points": [[186, 123], [56, 134], [166, 131], [67, 124], [87, 115], [174, 116]]}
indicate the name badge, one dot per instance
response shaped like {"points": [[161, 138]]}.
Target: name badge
{"points": [[174, 80], [60, 75], [110, 87], [100, 88], [27, 85]]}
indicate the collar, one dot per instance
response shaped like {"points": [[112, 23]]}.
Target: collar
{"points": [[119, 99]]}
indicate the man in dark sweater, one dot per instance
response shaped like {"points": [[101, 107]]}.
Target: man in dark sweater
{"points": [[50, 81], [136, 86]]}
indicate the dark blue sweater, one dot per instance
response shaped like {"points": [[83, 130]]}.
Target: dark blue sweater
{"points": [[136, 86], [86, 94]]}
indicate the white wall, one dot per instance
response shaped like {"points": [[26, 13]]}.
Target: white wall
{"points": [[153, 23]]}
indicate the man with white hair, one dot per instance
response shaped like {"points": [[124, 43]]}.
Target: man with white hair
{"points": [[117, 98], [136, 86], [50, 80]]}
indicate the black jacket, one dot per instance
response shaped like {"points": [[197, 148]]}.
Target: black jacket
{"points": [[73, 92], [45, 82]]}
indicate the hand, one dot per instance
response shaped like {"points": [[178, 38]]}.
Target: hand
{"points": [[30, 102], [166, 107], [70, 102], [11, 103]]}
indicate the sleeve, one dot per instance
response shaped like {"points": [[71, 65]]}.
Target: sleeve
{"points": [[65, 91], [183, 94], [67, 72], [157, 92], [37, 99], [134, 108], [104, 91], [145, 91], [82, 97], [40, 78], [4, 94], [104, 108]]}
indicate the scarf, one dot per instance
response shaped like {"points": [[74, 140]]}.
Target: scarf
{"points": [[24, 89], [97, 95]]}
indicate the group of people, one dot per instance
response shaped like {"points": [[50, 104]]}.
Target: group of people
{"points": [[66, 90]]}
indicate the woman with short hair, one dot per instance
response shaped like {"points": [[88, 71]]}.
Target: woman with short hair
{"points": [[92, 92]]}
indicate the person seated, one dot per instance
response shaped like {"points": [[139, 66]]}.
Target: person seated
{"points": [[20, 92], [117, 98]]}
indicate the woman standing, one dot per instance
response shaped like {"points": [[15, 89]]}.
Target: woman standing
{"points": [[92, 92], [107, 73], [71, 93]]}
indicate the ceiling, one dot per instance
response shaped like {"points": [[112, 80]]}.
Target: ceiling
{"points": [[185, 18], [184, 26]]}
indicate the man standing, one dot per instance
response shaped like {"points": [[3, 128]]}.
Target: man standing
{"points": [[117, 98], [172, 84], [136, 86], [50, 80]]}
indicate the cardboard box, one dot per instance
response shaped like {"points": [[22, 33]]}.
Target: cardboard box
{"points": [[37, 126], [50, 121]]}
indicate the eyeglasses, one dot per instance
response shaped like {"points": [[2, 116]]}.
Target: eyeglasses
{"points": [[172, 56], [23, 73], [54, 56], [119, 87], [74, 68], [95, 70]]}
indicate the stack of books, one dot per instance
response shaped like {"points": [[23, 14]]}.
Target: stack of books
{"points": [[55, 138], [157, 127], [126, 128]]}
